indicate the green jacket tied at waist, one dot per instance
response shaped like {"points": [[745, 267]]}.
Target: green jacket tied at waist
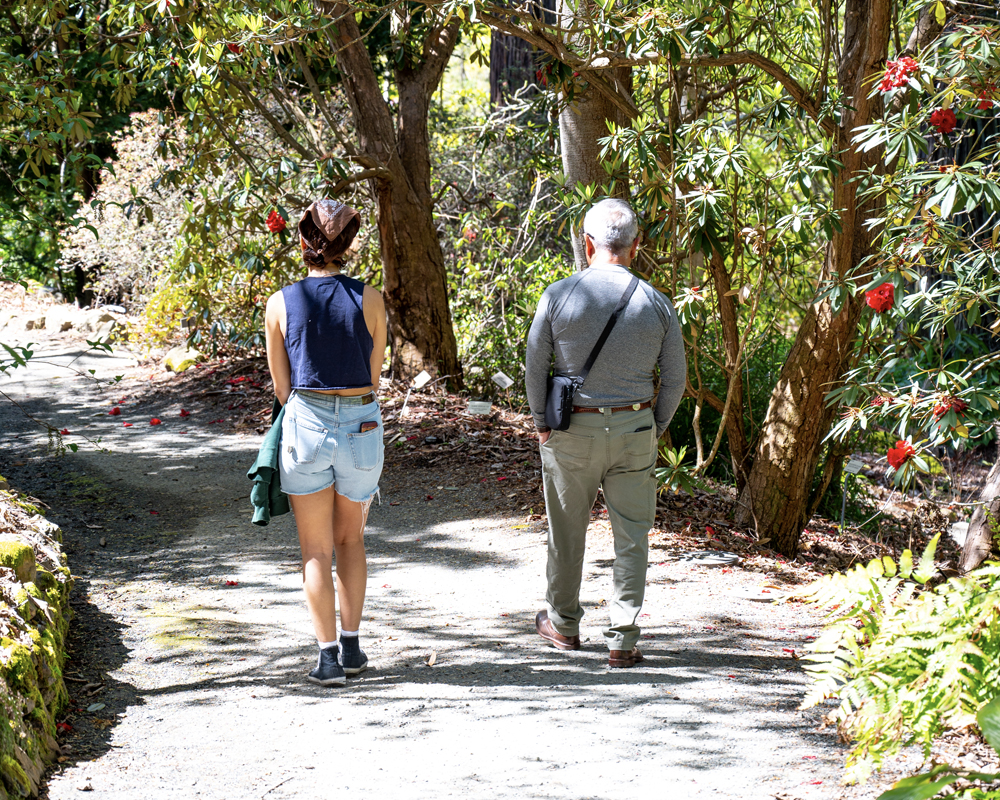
{"points": [[266, 496]]}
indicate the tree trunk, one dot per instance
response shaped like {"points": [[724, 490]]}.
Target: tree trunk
{"points": [[776, 498], [979, 541], [513, 61], [414, 276], [582, 123], [738, 447]]}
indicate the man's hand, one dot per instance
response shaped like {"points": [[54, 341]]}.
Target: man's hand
{"points": [[543, 437]]}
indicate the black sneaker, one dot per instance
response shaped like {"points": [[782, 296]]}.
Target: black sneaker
{"points": [[328, 671], [352, 657]]}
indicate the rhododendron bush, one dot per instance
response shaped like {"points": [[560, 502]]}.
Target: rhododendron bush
{"points": [[928, 372]]}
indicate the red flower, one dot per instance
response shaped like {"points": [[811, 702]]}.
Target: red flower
{"points": [[881, 298], [64, 432], [155, 421], [469, 235], [985, 103], [127, 424], [944, 120], [897, 73], [234, 48], [947, 404], [275, 222], [185, 413], [114, 412], [900, 454], [232, 583], [877, 401]]}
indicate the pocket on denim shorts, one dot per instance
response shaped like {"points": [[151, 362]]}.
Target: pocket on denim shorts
{"points": [[302, 441], [366, 448]]}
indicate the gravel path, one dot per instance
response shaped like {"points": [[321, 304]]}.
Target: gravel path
{"points": [[203, 686]]}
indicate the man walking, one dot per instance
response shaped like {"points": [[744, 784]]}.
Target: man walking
{"points": [[614, 427]]}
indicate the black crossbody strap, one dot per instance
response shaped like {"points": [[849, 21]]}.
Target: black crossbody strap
{"points": [[626, 296]]}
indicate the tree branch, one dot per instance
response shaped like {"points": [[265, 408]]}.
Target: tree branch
{"points": [[273, 121], [379, 173], [792, 86]]}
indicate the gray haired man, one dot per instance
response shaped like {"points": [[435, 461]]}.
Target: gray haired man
{"points": [[616, 421]]}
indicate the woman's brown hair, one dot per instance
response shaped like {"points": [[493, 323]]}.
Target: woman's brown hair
{"points": [[318, 251]]}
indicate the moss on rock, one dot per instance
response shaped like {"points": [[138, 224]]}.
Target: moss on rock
{"points": [[20, 557], [32, 651]]}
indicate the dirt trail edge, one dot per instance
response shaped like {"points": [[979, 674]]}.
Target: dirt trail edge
{"points": [[192, 640]]}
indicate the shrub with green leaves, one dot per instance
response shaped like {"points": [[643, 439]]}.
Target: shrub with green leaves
{"points": [[906, 659]]}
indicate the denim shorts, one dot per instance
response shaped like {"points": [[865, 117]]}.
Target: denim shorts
{"points": [[322, 446]]}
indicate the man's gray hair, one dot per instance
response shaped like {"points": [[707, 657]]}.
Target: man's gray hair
{"points": [[612, 225]]}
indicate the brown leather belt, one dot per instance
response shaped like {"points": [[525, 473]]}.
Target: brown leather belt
{"points": [[633, 407]]}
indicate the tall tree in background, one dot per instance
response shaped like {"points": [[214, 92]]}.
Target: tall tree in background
{"points": [[397, 153]]}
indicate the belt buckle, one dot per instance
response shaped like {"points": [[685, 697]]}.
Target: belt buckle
{"points": [[635, 406]]}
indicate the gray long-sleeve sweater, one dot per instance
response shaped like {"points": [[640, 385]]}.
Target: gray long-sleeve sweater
{"points": [[570, 317]]}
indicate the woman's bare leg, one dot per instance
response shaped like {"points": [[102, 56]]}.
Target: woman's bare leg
{"points": [[352, 566], [314, 518]]}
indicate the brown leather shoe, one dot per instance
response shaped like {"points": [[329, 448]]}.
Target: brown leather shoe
{"points": [[625, 658], [548, 632]]}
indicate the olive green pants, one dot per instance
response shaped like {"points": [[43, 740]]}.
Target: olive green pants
{"points": [[610, 451]]}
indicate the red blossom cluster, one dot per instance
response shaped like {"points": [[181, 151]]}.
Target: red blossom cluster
{"points": [[235, 48], [949, 403], [944, 120], [878, 400], [897, 73], [881, 298], [900, 454], [275, 222]]}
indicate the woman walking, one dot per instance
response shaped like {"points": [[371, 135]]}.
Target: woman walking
{"points": [[326, 338]]}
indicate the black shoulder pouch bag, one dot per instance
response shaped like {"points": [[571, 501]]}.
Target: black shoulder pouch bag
{"points": [[562, 388]]}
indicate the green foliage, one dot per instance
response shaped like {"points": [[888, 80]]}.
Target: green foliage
{"points": [[907, 660], [927, 367], [675, 475], [930, 784]]}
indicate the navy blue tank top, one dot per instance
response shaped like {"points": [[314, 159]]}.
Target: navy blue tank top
{"points": [[327, 340]]}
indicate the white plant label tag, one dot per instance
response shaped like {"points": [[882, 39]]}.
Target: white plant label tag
{"points": [[480, 407], [854, 466], [421, 380], [503, 381]]}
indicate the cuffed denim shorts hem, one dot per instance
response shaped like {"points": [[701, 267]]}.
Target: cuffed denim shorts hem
{"points": [[322, 446]]}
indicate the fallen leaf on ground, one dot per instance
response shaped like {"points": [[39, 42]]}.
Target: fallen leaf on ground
{"points": [[185, 413], [155, 421], [115, 411], [433, 659], [232, 583], [126, 424], [64, 432]]}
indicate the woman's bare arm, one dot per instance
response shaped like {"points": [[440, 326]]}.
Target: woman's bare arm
{"points": [[277, 356], [374, 308]]}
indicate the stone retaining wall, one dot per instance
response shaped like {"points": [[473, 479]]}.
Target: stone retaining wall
{"points": [[34, 619]]}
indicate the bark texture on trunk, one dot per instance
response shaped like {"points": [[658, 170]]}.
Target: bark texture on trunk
{"points": [[776, 498], [979, 541], [582, 123], [414, 277]]}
